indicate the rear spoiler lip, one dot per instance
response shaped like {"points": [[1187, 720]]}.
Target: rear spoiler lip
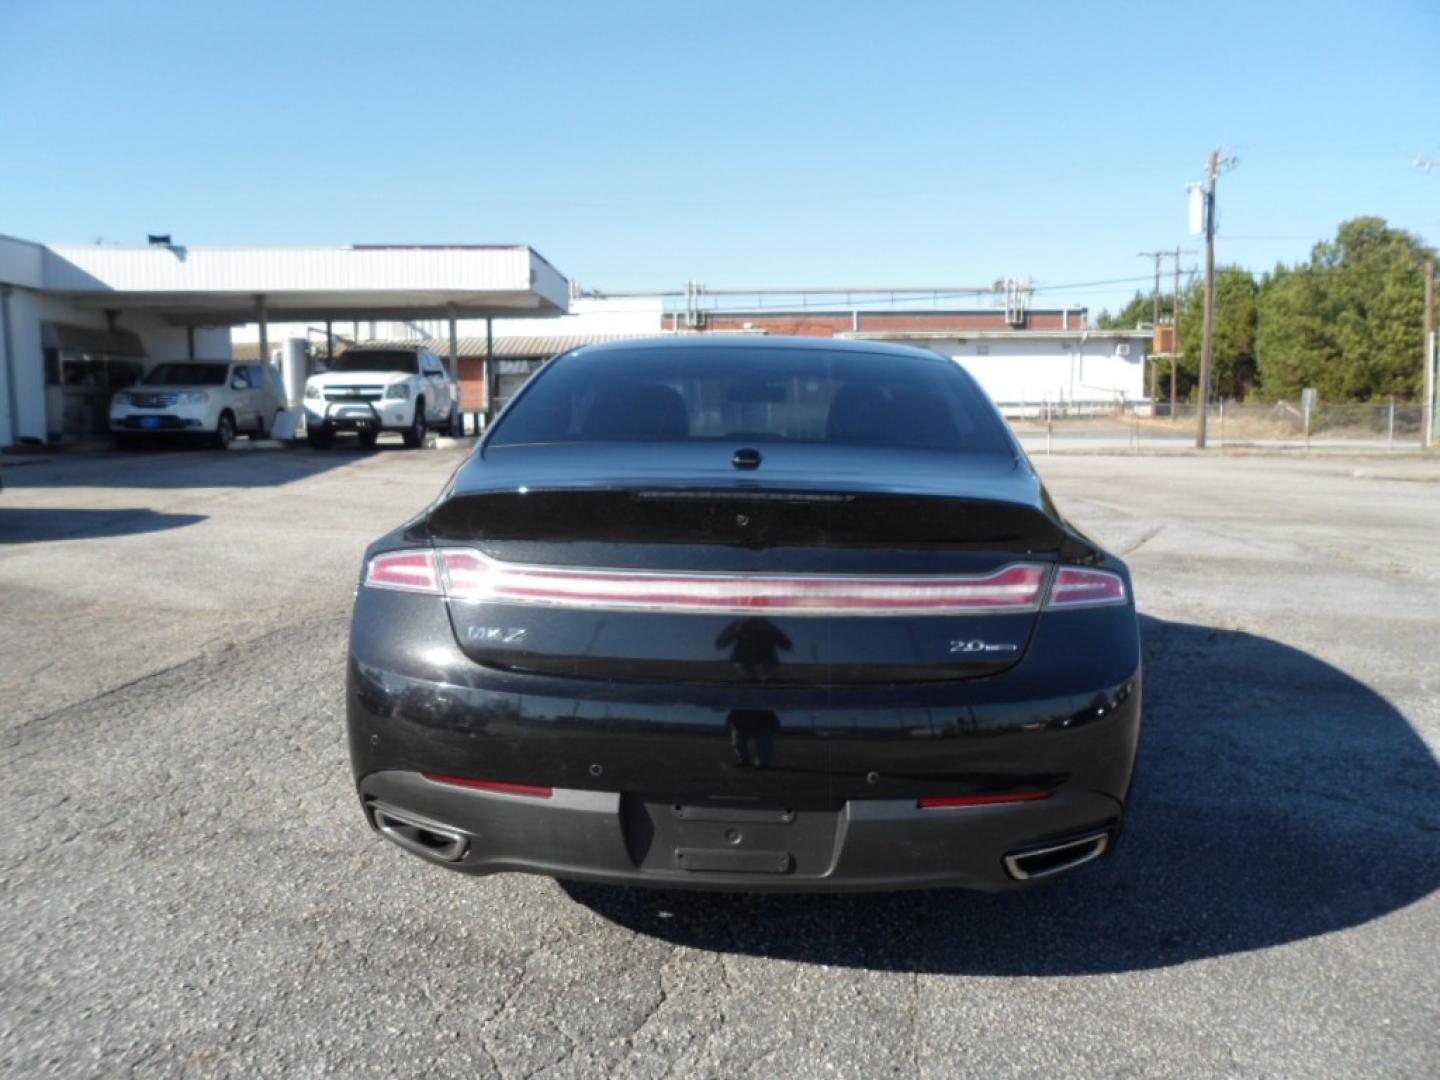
{"points": [[1016, 486], [679, 466]]}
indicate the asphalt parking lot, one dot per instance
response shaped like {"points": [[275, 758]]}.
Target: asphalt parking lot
{"points": [[189, 886]]}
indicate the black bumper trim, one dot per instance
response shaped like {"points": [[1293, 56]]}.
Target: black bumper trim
{"points": [[879, 844]]}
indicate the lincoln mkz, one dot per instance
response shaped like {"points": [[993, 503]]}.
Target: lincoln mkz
{"points": [[747, 613]]}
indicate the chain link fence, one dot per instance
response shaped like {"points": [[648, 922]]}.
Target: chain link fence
{"points": [[1279, 425]]}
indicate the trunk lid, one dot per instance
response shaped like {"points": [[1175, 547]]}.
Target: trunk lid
{"points": [[668, 564]]}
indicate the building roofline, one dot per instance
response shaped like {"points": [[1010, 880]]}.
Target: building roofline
{"points": [[962, 334], [901, 312]]}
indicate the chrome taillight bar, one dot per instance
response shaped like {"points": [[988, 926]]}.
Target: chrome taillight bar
{"points": [[467, 575]]}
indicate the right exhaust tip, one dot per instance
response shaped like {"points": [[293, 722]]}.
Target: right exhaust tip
{"points": [[1056, 858]]}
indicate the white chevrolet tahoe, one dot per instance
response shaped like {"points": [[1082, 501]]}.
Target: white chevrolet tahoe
{"points": [[211, 399], [370, 390]]}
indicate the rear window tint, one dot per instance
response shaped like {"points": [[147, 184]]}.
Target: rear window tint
{"points": [[755, 396]]}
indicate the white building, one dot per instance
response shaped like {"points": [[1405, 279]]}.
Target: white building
{"points": [[79, 321], [1028, 371]]}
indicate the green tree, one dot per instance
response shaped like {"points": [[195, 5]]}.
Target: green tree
{"points": [[1348, 321], [1140, 309], [1234, 370]]}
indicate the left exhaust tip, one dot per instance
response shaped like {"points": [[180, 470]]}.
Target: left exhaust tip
{"points": [[419, 835]]}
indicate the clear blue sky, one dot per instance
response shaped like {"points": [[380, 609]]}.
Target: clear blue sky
{"points": [[638, 145]]}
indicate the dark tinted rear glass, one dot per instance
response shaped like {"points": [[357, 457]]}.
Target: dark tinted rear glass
{"points": [[187, 375], [754, 396], [378, 360]]}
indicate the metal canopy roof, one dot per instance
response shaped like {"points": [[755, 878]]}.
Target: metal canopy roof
{"points": [[471, 347], [227, 285], [512, 345]]}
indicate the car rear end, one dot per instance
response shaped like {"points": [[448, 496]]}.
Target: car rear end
{"points": [[658, 660]]}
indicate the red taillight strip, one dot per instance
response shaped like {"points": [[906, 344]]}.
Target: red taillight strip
{"points": [[471, 576], [411, 571], [465, 574], [941, 802], [1079, 586], [503, 787]]}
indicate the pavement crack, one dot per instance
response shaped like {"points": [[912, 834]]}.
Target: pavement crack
{"points": [[34, 723], [1145, 538]]}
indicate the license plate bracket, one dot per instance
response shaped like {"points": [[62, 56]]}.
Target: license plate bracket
{"points": [[686, 835]]}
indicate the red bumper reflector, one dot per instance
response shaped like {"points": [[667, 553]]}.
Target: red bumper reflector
{"points": [[941, 801], [501, 786]]}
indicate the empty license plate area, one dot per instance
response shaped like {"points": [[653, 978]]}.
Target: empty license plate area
{"points": [[728, 836]]}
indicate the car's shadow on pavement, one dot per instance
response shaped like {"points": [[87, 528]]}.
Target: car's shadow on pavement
{"points": [[34, 525], [159, 465], [1277, 798]]}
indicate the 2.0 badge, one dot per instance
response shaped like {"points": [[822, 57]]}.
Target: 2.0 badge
{"points": [[975, 645]]}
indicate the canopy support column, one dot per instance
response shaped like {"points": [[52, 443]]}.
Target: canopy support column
{"points": [[454, 347], [492, 380], [263, 320]]}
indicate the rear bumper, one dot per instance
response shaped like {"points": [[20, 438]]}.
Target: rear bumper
{"points": [[867, 844], [1065, 719]]}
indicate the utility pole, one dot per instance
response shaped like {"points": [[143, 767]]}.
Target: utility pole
{"points": [[1172, 353], [1179, 346], [1157, 256], [1219, 161]]}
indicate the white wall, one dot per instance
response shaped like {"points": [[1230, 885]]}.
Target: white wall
{"points": [[1076, 370], [28, 309], [627, 315], [21, 262], [6, 435], [166, 342]]}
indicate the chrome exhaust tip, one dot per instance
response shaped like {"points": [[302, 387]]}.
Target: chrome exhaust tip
{"points": [[418, 834], [1056, 858]]}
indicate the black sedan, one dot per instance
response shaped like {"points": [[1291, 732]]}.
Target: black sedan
{"points": [[747, 613]]}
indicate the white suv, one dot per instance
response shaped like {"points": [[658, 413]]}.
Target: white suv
{"points": [[370, 390], [212, 399]]}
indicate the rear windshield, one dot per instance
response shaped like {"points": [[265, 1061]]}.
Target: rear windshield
{"points": [[187, 375], [378, 360], [755, 396]]}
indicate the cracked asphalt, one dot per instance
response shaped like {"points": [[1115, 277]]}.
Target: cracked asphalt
{"points": [[189, 888]]}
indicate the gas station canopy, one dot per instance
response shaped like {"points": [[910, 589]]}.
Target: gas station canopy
{"points": [[216, 286]]}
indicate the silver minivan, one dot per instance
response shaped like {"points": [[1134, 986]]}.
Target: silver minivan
{"points": [[214, 400]]}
